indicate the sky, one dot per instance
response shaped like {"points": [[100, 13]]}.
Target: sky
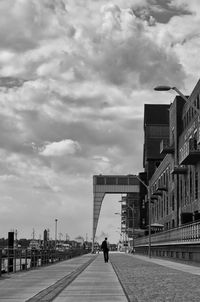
{"points": [[74, 78]]}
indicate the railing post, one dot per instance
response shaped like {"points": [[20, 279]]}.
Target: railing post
{"points": [[26, 255], [14, 260], [0, 261], [10, 251], [20, 259]]}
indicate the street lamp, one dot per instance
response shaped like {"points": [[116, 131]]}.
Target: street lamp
{"points": [[132, 209], [117, 213], [167, 88], [56, 221], [149, 210], [133, 234], [123, 232]]}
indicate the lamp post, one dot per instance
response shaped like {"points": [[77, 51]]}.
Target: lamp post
{"points": [[56, 221], [133, 234], [149, 210], [121, 232], [167, 88], [120, 239], [132, 209], [117, 213]]}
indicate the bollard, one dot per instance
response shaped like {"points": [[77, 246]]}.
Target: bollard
{"points": [[0, 261], [34, 258], [10, 251], [26, 262]]}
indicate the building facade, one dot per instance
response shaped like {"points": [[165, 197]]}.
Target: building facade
{"points": [[156, 128], [175, 183]]}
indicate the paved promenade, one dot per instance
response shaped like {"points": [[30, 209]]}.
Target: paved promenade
{"points": [[97, 283], [88, 278], [157, 280], [41, 283]]}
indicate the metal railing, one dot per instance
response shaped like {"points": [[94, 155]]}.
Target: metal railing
{"points": [[15, 260], [189, 233]]}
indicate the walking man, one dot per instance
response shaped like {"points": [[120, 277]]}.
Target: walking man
{"points": [[104, 247]]}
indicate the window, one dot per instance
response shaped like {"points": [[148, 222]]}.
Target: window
{"points": [[122, 181], [164, 178], [111, 180], [188, 117], [167, 206], [167, 178], [185, 191], [161, 208], [190, 114], [164, 204], [196, 184], [100, 180], [133, 180], [181, 190], [173, 201], [143, 204], [198, 102], [191, 184], [184, 122]]}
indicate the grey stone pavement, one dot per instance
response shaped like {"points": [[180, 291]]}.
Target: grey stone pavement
{"points": [[157, 280], [47, 280], [88, 278], [98, 282]]}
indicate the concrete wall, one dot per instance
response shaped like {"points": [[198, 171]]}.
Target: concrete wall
{"points": [[186, 252]]}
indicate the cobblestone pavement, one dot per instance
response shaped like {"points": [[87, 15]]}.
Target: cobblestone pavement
{"points": [[149, 282]]}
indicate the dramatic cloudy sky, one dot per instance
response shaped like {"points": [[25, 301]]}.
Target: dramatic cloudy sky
{"points": [[74, 78]]}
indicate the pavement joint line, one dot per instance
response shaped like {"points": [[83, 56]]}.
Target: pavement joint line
{"points": [[50, 293], [129, 299]]}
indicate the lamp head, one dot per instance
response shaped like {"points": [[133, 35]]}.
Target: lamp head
{"points": [[162, 88]]}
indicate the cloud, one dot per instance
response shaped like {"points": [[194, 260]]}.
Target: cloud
{"points": [[10, 82], [64, 147], [74, 78]]}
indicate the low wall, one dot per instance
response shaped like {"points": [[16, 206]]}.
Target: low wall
{"points": [[186, 252]]}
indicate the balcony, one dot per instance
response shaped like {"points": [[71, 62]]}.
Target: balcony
{"points": [[154, 198], [165, 147], [157, 193], [179, 170], [192, 155], [188, 234], [161, 188]]}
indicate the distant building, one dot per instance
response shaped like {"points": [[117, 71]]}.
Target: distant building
{"points": [[79, 240], [34, 244]]}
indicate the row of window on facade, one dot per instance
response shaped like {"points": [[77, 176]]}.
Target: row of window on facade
{"points": [[190, 145], [165, 204], [189, 186], [162, 181], [191, 113], [116, 180], [189, 181]]}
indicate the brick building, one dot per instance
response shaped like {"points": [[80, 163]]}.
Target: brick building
{"points": [[174, 183]]}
